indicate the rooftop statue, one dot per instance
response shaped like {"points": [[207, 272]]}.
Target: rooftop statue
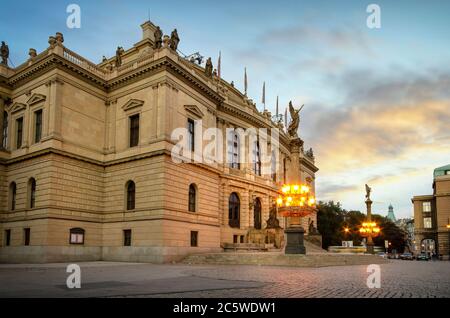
{"points": [[158, 38], [208, 67], [119, 53], [174, 40], [368, 190], [295, 116], [4, 50]]}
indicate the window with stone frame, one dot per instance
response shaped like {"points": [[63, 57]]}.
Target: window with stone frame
{"points": [[194, 238], [19, 132], [5, 130], [12, 196], [256, 158], [234, 206], [427, 223], [191, 134], [76, 236], [31, 193], [134, 130], [126, 237], [37, 125], [426, 206], [192, 198], [234, 151], [26, 236], [131, 195]]}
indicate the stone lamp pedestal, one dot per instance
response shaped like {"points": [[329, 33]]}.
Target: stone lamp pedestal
{"points": [[295, 237]]}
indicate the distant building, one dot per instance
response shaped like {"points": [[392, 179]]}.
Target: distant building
{"points": [[407, 225], [391, 215], [432, 216]]}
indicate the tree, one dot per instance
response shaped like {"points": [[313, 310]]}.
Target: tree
{"points": [[332, 219]]}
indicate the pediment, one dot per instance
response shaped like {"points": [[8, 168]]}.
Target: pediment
{"points": [[17, 107], [132, 103], [194, 110], [36, 98]]}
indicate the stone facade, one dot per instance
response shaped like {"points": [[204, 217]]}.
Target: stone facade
{"points": [[432, 216], [66, 160]]}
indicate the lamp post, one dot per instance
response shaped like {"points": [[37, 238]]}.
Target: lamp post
{"points": [[369, 229], [296, 201]]}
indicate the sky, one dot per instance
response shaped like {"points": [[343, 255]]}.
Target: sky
{"points": [[377, 101]]}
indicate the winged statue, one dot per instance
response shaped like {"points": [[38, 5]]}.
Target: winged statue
{"points": [[295, 116], [368, 190]]}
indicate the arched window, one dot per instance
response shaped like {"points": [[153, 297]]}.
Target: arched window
{"points": [[192, 198], [257, 214], [5, 130], [233, 152], [12, 196], [31, 193], [76, 236], [131, 195], [256, 159], [234, 210]]}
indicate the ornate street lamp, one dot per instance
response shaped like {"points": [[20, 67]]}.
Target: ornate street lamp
{"points": [[369, 229], [295, 201]]}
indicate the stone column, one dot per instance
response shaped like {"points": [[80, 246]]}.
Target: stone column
{"points": [[370, 249], [2, 109], [294, 231], [55, 109]]}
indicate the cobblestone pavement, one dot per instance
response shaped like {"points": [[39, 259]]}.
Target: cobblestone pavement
{"points": [[405, 279], [102, 279]]}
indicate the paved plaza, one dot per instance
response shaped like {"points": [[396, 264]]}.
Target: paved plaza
{"points": [[104, 279]]}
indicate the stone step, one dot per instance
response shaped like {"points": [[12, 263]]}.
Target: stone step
{"points": [[280, 259]]}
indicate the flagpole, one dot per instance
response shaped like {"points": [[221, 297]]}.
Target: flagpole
{"points": [[245, 81], [285, 117], [277, 108], [264, 95]]}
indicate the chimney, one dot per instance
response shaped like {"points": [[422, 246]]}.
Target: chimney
{"points": [[148, 31]]}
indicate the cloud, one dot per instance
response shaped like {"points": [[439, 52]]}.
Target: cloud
{"points": [[305, 36], [386, 132]]}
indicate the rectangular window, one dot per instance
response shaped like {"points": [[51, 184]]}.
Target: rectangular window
{"points": [[7, 237], [426, 207], [5, 130], [427, 224], [134, 130], [242, 238], [126, 237], [37, 125], [194, 238], [191, 135], [26, 236], [447, 172], [284, 170], [77, 237], [235, 239], [19, 132]]}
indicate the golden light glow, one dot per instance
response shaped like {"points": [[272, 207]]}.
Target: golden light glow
{"points": [[298, 198], [346, 230], [448, 226], [369, 229]]}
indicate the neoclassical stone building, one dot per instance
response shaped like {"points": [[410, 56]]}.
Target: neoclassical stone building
{"points": [[85, 163], [432, 216]]}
